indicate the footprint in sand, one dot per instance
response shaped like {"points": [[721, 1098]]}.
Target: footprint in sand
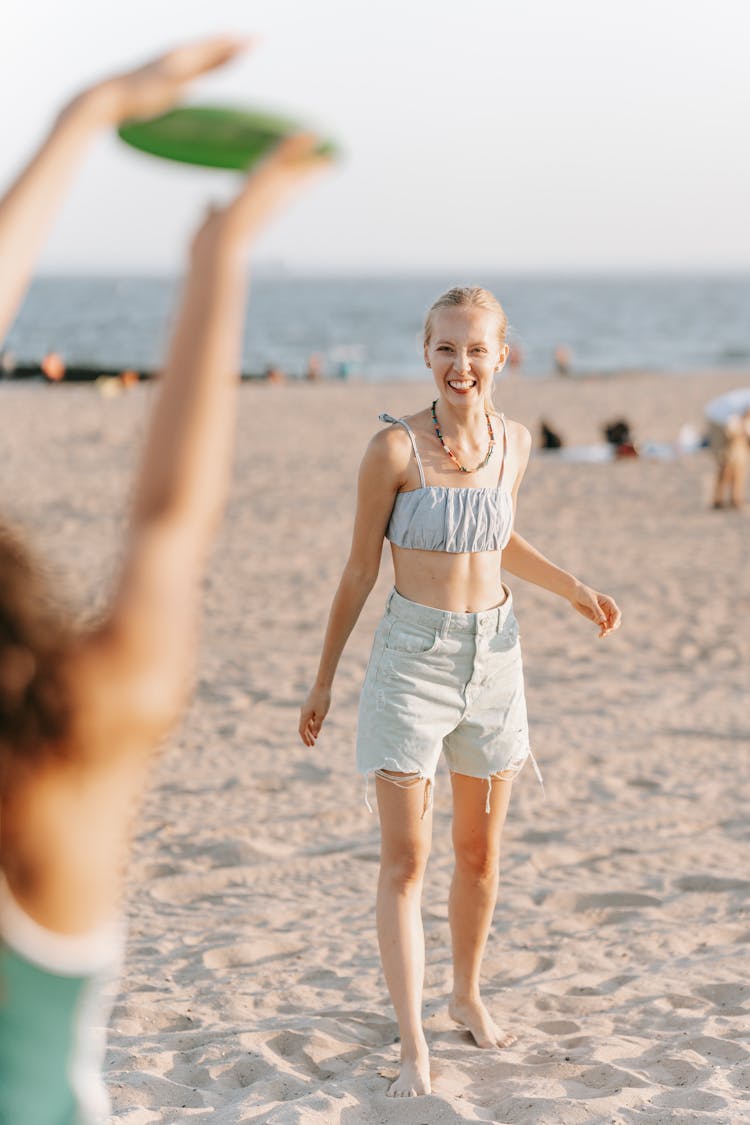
{"points": [[739, 1077], [583, 990], [728, 996], [205, 886], [249, 953], [696, 1101], [613, 984], [676, 1072], [720, 1052], [314, 1054], [711, 884], [614, 899], [368, 1028], [567, 902], [539, 836], [677, 1001], [239, 1075], [558, 1027], [522, 965], [606, 1077], [644, 783], [324, 978]]}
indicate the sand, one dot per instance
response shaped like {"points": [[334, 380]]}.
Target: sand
{"points": [[252, 990]]}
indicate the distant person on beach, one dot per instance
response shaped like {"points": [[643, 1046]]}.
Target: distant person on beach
{"points": [[563, 359], [53, 367], [7, 363], [82, 709], [445, 672], [314, 369], [618, 434], [728, 419], [274, 374], [549, 438]]}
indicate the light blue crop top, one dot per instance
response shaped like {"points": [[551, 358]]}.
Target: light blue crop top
{"points": [[457, 520]]}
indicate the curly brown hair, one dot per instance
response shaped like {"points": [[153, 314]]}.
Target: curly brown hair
{"points": [[35, 635]]}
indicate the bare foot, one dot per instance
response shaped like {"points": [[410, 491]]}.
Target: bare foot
{"points": [[414, 1076], [473, 1015]]}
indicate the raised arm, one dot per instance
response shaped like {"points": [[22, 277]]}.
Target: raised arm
{"points": [[65, 827], [381, 474], [128, 678], [144, 650], [31, 203]]}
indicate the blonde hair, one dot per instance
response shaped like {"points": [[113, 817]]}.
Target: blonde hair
{"points": [[467, 296]]}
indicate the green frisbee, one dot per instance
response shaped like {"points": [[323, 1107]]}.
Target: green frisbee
{"points": [[212, 136]]}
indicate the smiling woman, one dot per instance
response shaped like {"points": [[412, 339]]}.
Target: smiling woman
{"points": [[465, 363], [445, 674]]}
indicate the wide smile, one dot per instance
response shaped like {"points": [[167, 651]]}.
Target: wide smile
{"points": [[462, 385]]}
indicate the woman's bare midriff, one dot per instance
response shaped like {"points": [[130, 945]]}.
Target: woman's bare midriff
{"points": [[460, 583]]}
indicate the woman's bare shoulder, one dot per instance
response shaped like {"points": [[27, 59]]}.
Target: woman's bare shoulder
{"points": [[393, 441], [389, 458], [518, 435]]}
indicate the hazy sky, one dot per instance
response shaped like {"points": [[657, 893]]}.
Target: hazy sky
{"points": [[512, 135]]}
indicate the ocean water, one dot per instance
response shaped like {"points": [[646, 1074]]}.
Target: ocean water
{"points": [[371, 326]]}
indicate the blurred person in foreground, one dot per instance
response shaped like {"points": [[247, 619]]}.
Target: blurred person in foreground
{"points": [[81, 711], [728, 419]]}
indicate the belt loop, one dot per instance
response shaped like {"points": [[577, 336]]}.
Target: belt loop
{"points": [[445, 624]]}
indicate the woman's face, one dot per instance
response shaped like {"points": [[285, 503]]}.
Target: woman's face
{"points": [[464, 353]]}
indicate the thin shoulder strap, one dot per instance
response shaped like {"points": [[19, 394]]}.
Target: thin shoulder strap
{"points": [[505, 450], [400, 422]]}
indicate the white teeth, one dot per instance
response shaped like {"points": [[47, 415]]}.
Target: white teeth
{"points": [[461, 384]]}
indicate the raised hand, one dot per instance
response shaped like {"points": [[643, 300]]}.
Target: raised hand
{"points": [[30, 203], [279, 177], [157, 85]]}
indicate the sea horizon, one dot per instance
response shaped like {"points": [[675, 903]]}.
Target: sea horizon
{"points": [[370, 325]]}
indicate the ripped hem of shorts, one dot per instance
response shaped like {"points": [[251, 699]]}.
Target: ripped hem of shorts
{"points": [[402, 779], [509, 774]]}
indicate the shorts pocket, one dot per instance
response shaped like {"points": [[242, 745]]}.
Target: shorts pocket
{"points": [[412, 639], [508, 638]]}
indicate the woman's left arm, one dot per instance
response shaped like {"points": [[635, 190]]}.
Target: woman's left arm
{"points": [[523, 560]]}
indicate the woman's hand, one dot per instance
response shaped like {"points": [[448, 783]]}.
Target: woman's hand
{"points": [[314, 710], [599, 608], [157, 85], [279, 177]]}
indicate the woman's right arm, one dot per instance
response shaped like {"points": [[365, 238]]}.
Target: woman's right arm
{"points": [[381, 474], [66, 828], [144, 650]]}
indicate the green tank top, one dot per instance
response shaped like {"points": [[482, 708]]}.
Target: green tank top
{"points": [[55, 996]]}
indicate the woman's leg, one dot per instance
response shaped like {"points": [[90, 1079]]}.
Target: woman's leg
{"points": [[476, 842], [406, 833], [737, 463]]}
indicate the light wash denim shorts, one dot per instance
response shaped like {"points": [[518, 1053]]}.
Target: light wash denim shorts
{"points": [[444, 682]]}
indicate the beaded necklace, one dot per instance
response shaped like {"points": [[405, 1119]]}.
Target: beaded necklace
{"points": [[452, 455]]}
